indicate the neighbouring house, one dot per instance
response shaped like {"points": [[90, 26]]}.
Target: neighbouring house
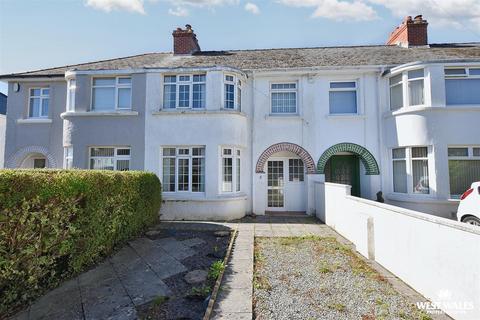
{"points": [[249, 131], [3, 112]]}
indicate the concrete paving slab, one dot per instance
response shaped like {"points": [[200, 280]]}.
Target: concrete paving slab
{"points": [[193, 242], [234, 300], [233, 316], [175, 248]]}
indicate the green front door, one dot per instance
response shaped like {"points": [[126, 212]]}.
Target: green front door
{"points": [[344, 170]]}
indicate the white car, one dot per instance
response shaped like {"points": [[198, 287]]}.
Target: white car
{"points": [[469, 208]]}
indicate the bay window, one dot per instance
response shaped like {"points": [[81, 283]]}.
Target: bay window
{"points": [[183, 169], [39, 101], [232, 92], [110, 158], [343, 97], [283, 98], [71, 87], [407, 89], [396, 92], [111, 93], [410, 170], [415, 87], [184, 91], [231, 169], [463, 168], [462, 86]]}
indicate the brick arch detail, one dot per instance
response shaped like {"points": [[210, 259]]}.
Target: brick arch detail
{"points": [[16, 159], [286, 146], [368, 160]]}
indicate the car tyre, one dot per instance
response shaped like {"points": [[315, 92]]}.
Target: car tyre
{"points": [[471, 220]]}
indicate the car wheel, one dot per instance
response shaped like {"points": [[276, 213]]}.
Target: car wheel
{"points": [[471, 220]]}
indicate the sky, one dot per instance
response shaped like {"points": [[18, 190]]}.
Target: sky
{"points": [[37, 34]]}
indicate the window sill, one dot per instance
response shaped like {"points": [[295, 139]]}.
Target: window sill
{"points": [[283, 116], [345, 116], [174, 112], [99, 114], [189, 196], [35, 120], [416, 198]]}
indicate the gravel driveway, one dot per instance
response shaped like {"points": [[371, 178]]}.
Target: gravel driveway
{"points": [[319, 278]]}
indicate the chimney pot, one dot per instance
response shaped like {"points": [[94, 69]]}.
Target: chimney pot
{"points": [[411, 32]]}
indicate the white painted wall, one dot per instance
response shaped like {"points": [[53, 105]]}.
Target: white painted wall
{"points": [[3, 125], [437, 257]]}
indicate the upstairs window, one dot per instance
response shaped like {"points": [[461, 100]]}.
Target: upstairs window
{"points": [[283, 98], [110, 158], [415, 87], [184, 91], [71, 87], [462, 86], [463, 168], [343, 97], [112, 93], [407, 89], [396, 92], [39, 102], [233, 93]]}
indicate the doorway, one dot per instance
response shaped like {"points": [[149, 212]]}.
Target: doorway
{"points": [[344, 169]]}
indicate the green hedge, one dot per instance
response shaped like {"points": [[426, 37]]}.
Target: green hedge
{"points": [[55, 223]]}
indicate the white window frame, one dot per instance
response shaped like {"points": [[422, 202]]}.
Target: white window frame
{"points": [[237, 91], [466, 76], [177, 85], [405, 89], [288, 90], [68, 157], [179, 156], [42, 98], [71, 88], [330, 89], [117, 85], [235, 155], [115, 156], [409, 170], [470, 156]]}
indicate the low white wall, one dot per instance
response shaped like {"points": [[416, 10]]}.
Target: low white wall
{"points": [[215, 209], [438, 257]]}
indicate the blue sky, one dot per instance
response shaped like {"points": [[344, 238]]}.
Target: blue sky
{"points": [[46, 33]]}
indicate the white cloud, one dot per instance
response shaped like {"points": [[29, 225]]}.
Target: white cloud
{"points": [[110, 5], [252, 8], [336, 9], [179, 12], [457, 13]]}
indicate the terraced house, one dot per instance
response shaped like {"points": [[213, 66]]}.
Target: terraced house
{"points": [[236, 132]]}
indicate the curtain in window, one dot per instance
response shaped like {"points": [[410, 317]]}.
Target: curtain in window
{"points": [[415, 90], [462, 174], [400, 176], [103, 99], [462, 91], [343, 102], [420, 176]]}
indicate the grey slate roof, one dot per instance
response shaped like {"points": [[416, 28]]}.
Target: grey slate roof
{"points": [[380, 55]]}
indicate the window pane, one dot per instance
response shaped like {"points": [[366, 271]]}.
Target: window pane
{"points": [[183, 174], [280, 86], [458, 71], [168, 174], [238, 175], [462, 174], [45, 92], [462, 91], [227, 175], [198, 96], [39, 163], [199, 78], [295, 170], [183, 151], [183, 78], [415, 74], [400, 176], [474, 71], [398, 153], [229, 96], [415, 92], [45, 104], [103, 99], [34, 92], [334, 85], [169, 96], [34, 107], [343, 102], [169, 151], [102, 164], [124, 98], [198, 151], [227, 152], [170, 79], [476, 152], [396, 97], [229, 78], [102, 152], [184, 96], [458, 152], [123, 152], [198, 174], [104, 82], [123, 165], [395, 80], [419, 152], [420, 176], [284, 102], [124, 80]]}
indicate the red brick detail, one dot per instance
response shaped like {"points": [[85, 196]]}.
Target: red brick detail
{"points": [[286, 146], [185, 41], [412, 32]]}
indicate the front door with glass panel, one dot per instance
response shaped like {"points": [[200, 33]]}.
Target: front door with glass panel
{"points": [[286, 190]]}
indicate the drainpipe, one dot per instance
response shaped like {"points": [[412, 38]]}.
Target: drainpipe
{"points": [[380, 129]]}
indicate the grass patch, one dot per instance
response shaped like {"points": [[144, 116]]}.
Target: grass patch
{"points": [[159, 300], [337, 306], [201, 292], [216, 269]]}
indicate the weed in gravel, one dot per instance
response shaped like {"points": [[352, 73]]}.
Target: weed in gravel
{"points": [[216, 269], [201, 292], [260, 282], [337, 306], [159, 300], [324, 268]]}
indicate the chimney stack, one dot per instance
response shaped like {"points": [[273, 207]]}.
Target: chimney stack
{"points": [[411, 32], [185, 41]]}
